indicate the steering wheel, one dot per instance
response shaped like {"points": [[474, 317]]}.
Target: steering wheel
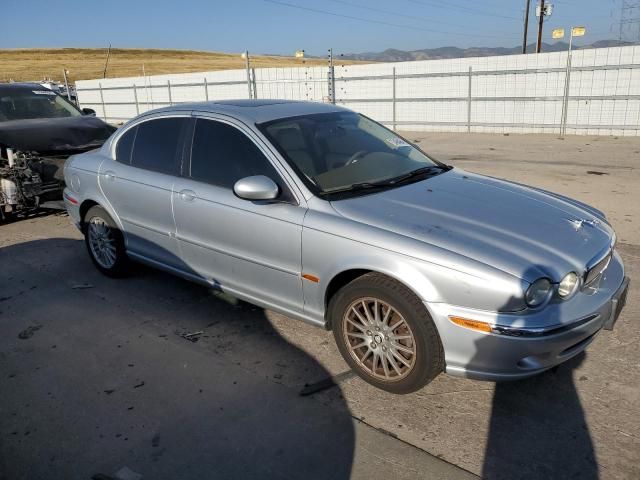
{"points": [[355, 157]]}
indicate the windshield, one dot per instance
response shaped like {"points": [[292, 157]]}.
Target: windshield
{"points": [[24, 104], [345, 151]]}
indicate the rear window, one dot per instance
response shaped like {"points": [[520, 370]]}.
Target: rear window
{"points": [[156, 144]]}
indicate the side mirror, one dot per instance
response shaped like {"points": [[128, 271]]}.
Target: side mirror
{"points": [[257, 187], [89, 111]]}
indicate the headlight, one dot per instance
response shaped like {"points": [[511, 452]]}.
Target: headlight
{"points": [[538, 292], [567, 285]]}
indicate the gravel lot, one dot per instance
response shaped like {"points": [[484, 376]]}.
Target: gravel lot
{"points": [[96, 375]]}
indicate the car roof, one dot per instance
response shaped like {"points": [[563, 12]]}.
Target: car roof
{"points": [[257, 111]]}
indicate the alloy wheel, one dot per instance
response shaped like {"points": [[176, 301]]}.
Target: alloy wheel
{"points": [[102, 242], [379, 339]]}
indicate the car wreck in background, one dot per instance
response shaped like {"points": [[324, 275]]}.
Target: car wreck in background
{"points": [[39, 129]]}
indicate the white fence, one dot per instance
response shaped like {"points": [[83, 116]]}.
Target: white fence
{"points": [[598, 93]]}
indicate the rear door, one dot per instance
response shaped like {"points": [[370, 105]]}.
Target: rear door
{"points": [[245, 247], [139, 182]]}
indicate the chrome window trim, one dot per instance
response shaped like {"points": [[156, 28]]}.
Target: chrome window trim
{"points": [[137, 121]]}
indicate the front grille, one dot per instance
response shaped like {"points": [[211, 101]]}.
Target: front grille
{"points": [[594, 272]]}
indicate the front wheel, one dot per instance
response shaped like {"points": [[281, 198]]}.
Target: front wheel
{"points": [[385, 334], [105, 243]]}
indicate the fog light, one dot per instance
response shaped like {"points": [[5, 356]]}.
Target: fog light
{"points": [[471, 324]]}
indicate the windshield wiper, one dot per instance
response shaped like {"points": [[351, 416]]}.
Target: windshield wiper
{"points": [[431, 169]]}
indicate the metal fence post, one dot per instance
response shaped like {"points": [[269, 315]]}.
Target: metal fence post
{"points": [[104, 110], [253, 82], [332, 74], [206, 89], [469, 101], [248, 68], [565, 100], [135, 97], [394, 97], [169, 91]]}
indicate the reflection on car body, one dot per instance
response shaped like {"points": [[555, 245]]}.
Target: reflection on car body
{"points": [[326, 216]]}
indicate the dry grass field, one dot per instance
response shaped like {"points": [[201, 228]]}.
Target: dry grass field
{"points": [[88, 63]]}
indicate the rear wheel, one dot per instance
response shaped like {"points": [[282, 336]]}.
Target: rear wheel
{"points": [[105, 243], [385, 334]]}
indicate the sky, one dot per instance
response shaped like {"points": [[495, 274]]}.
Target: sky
{"points": [[283, 26]]}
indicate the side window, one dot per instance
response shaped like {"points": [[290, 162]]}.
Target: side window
{"points": [[124, 146], [222, 155], [156, 145]]}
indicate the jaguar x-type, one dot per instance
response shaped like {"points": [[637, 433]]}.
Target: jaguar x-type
{"points": [[324, 215]]}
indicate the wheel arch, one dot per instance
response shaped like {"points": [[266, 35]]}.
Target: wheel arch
{"points": [[408, 276], [84, 208], [88, 204]]}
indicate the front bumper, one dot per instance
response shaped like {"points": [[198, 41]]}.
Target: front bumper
{"points": [[530, 343]]}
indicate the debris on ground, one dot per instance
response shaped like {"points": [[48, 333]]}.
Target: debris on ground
{"points": [[595, 172], [326, 383], [81, 286], [28, 332], [141, 384], [192, 337]]}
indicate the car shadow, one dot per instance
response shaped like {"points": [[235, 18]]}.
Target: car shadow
{"points": [[538, 427], [153, 373]]}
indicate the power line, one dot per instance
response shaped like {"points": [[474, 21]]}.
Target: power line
{"points": [[453, 6], [366, 20], [413, 17]]}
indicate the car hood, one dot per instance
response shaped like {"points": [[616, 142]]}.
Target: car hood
{"points": [[522, 231], [55, 135]]}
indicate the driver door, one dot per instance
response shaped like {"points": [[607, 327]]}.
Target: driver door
{"points": [[248, 248]]}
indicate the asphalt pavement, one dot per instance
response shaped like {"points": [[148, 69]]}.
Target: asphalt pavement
{"points": [[153, 377]]}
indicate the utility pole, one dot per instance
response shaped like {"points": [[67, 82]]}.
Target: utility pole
{"points": [[540, 24], [630, 21], [526, 25]]}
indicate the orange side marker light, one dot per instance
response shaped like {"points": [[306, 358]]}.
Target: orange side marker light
{"points": [[311, 278], [471, 324]]}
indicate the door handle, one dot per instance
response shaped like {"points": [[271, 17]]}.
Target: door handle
{"points": [[110, 175], [187, 195]]}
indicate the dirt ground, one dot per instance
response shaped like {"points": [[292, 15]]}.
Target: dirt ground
{"points": [[87, 63], [95, 374]]}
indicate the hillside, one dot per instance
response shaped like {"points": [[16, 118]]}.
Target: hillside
{"points": [[394, 55], [86, 63]]}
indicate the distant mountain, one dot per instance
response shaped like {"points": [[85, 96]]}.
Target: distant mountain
{"points": [[394, 55]]}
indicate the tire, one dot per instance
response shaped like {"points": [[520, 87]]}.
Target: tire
{"points": [[414, 333], [101, 234]]}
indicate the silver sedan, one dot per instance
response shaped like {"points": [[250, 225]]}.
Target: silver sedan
{"points": [[326, 216]]}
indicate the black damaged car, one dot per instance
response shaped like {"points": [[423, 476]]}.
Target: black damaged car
{"points": [[39, 129]]}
